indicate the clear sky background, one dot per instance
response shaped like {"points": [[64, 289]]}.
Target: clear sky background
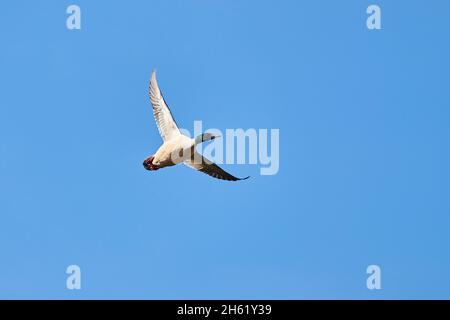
{"points": [[364, 125]]}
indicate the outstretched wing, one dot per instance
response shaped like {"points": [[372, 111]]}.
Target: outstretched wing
{"points": [[167, 126], [210, 168]]}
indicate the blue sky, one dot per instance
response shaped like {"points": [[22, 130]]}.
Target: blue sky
{"points": [[364, 133]]}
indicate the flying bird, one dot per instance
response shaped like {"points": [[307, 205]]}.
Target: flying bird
{"points": [[177, 147]]}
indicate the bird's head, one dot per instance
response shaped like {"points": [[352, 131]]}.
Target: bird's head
{"points": [[207, 136], [148, 163]]}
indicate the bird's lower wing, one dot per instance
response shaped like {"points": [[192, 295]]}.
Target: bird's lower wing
{"points": [[210, 168]]}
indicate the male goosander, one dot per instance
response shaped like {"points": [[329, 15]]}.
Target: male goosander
{"points": [[177, 147]]}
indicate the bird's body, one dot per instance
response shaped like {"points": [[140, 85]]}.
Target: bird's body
{"points": [[173, 151], [177, 147]]}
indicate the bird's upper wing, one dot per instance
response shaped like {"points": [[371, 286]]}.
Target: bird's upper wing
{"points": [[164, 120], [210, 168]]}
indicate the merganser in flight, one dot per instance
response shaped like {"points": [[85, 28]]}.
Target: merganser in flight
{"points": [[177, 147]]}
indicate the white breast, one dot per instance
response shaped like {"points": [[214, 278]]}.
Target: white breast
{"points": [[173, 151]]}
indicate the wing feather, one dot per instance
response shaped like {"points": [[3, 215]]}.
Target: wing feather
{"points": [[167, 126], [210, 168]]}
